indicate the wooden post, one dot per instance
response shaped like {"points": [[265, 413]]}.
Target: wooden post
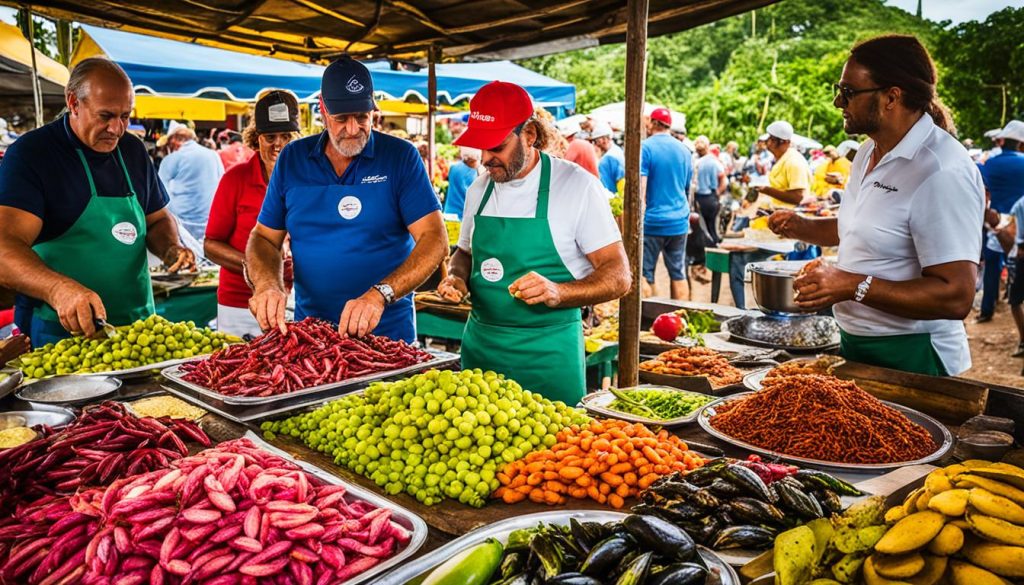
{"points": [[37, 90], [433, 55], [633, 206]]}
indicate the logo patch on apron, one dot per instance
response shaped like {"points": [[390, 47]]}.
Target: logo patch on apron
{"points": [[492, 270], [125, 233], [349, 207]]}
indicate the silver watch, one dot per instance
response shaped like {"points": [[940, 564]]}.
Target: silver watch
{"points": [[385, 291], [862, 289]]}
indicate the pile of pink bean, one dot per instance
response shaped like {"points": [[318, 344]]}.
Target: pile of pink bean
{"points": [[234, 514]]}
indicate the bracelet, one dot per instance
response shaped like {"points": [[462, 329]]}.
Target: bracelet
{"points": [[245, 276], [862, 289]]}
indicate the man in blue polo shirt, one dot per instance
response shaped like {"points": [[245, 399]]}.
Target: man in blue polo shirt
{"points": [[80, 204], [460, 177], [1004, 180], [364, 222], [612, 167], [666, 169]]}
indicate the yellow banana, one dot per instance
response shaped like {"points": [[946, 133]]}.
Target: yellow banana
{"points": [[996, 506], [951, 503], [911, 533], [949, 540], [961, 573], [995, 529]]}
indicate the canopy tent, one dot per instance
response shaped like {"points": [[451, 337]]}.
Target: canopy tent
{"points": [[16, 68], [615, 115], [161, 107], [203, 71]]}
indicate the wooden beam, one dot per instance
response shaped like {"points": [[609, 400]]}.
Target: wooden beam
{"points": [[328, 12], [433, 56], [633, 206], [489, 24], [419, 16]]}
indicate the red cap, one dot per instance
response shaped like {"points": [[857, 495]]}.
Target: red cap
{"points": [[662, 115], [495, 111]]}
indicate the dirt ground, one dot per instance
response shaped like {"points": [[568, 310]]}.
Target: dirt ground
{"points": [[991, 343]]}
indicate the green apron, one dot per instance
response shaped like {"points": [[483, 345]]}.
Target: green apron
{"points": [[104, 251], [539, 347], [912, 352]]}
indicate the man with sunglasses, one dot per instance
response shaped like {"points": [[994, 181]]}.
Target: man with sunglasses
{"points": [[364, 222], [790, 177], [909, 226]]}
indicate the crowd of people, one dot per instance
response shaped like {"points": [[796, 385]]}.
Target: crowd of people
{"points": [[538, 238]]}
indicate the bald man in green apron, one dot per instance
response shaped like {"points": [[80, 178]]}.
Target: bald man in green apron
{"points": [[81, 204], [538, 241]]}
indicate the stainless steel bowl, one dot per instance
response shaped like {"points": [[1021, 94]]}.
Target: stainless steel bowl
{"points": [[52, 417], [69, 390], [773, 285]]}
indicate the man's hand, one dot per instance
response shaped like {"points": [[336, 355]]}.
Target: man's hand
{"points": [[534, 289], [77, 306], [268, 308], [833, 178], [179, 258], [453, 289], [808, 200], [361, 315], [824, 285], [782, 222]]}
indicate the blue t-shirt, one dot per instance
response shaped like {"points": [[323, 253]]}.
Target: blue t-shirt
{"points": [[708, 169], [1004, 179], [668, 166], [191, 175], [349, 232], [460, 177], [42, 174], [1017, 211], [612, 168]]}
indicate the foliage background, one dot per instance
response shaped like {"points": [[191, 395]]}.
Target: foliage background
{"points": [[733, 77]]}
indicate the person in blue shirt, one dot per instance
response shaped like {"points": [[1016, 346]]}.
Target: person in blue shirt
{"points": [[711, 184], [612, 167], [80, 206], [1004, 180], [666, 170], [191, 173], [460, 177], [365, 225], [1017, 286]]}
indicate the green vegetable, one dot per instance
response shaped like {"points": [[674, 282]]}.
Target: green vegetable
{"points": [[660, 404], [473, 566], [702, 322]]}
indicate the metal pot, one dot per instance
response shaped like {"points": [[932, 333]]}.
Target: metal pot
{"points": [[773, 285]]}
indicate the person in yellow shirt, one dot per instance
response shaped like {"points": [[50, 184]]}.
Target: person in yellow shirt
{"points": [[832, 174], [790, 178]]}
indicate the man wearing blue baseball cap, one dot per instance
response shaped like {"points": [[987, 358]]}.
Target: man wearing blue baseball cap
{"points": [[364, 221]]}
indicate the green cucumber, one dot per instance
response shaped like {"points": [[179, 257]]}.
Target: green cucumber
{"points": [[473, 566]]}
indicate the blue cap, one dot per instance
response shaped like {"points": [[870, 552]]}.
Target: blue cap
{"points": [[347, 87]]}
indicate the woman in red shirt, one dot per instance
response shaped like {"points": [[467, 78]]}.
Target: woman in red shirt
{"points": [[237, 202]]}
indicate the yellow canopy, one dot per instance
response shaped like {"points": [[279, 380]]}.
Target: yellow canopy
{"points": [[15, 47], [400, 108], [186, 108]]}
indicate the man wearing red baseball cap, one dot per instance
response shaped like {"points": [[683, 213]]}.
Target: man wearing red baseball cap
{"points": [[538, 241]]}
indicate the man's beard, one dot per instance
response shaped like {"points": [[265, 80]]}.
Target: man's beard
{"points": [[503, 173], [350, 146], [869, 124]]}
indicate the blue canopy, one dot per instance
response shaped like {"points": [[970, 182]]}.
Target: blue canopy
{"points": [[183, 69]]}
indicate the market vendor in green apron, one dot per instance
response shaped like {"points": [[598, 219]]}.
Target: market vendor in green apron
{"points": [[538, 242], [909, 226], [80, 204]]}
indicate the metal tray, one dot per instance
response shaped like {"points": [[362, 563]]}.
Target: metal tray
{"points": [[125, 374], [411, 522], [501, 530], [597, 403], [940, 434], [10, 381], [440, 359], [53, 418], [88, 389], [729, 325], [753, 380]]}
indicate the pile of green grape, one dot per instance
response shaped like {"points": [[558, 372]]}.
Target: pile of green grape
{"points": [[146, 341], [437, 434]]}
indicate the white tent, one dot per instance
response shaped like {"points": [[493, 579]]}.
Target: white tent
{"points": [[804, 142], [615, 115]]}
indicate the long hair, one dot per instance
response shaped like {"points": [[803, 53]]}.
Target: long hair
{"points": [[902, 61]]}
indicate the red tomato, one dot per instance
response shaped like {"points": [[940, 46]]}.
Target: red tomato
{"points": [[668, 326]]}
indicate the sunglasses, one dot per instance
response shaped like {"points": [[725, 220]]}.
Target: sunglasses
{"points": [[847, 93]]}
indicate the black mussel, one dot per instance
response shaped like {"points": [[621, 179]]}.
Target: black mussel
{"points": [[795, 500], [661, 536], [572, 579], [636, 572], [723, 489], [606, 555], [587, 534], [513, 564], [548, 553], [755, 537], [755, 511], [664, 513], [748, 481], [705, 498], [812, 478], [678, 574], [829, 500]]}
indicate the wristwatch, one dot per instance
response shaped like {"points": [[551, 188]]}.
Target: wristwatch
{"points": [[862, 289], [385, 291]]}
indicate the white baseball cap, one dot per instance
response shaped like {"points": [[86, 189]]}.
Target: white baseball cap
{"points": [[600, 130], [993, 133], [568, 127], [1014, 130], [781, 129], [846, 146]]}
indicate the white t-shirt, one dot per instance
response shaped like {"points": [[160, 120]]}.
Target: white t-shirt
{"points": [[922, 205], [581, 220]]}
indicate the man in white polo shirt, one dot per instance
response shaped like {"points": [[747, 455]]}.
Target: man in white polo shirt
{"points": [[909, 228]]}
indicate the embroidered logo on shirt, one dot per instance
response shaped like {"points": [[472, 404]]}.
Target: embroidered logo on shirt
{"points": [[492, 270], [354, 86], [349, 207], [374, 179], [481, 117], [886, 188], [125, 233]]}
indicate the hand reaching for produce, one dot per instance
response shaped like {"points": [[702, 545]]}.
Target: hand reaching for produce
{"points": [[361, 315], [76, 307], [179, 258], [268, 308], [534, 289], [782, 222], [453, 289], [823, 285]]}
